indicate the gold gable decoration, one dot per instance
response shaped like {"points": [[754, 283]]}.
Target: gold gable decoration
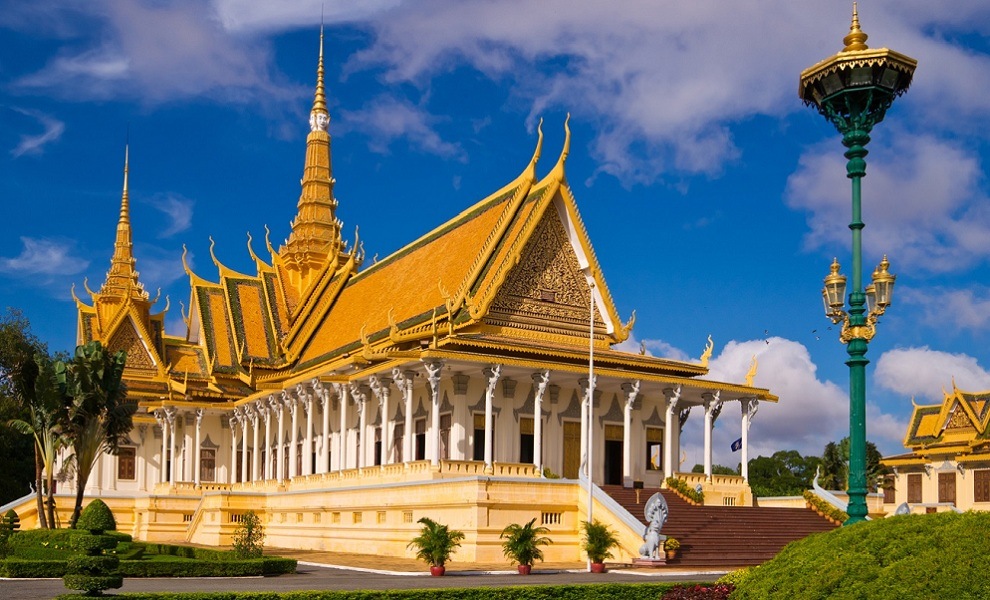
{"points": [[547, 287], [127, 338]]}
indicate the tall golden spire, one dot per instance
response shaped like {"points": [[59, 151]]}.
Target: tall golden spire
{"points": [[122, 278], [856, 40], [315, 238]]}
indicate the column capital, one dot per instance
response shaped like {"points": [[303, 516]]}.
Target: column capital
{"points": [[403, 379], [199, 416], [492, 373], [632, 392]]}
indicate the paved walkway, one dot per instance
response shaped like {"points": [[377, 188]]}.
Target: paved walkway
{"points": [[339, 571]]}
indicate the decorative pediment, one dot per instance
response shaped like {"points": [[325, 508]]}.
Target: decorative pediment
{"points": [[127, 338], [547, 286]]}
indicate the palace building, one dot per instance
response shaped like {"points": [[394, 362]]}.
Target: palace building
{"points": [[471, 377], [947, 466]]}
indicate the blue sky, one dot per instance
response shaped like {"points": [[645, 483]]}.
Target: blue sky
{"points": [[714, 199]]}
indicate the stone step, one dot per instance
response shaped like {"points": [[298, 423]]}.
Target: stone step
{"points": [[725, 536]]}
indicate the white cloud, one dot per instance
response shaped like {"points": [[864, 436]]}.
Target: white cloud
{"points": [[811, 412], [924, 373], [34, 144], [652, 348], [177, 208], [159, 52], [965, 309], [925, 208], [158, 266], [250, 15], [386, 119], [43, 256]]}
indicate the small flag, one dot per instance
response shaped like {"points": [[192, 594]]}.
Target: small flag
{"points": [[736, 445]]}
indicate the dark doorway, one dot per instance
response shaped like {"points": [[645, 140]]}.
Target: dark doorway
{"points": [[613, 462]]}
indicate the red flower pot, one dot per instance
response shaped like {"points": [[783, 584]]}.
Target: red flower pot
{"points": [[524, 569], [597, 567], [437, 571]]}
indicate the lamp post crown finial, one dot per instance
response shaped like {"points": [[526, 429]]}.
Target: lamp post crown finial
{"points": [[856, 40]]}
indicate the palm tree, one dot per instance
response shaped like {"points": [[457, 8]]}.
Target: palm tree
{"points": [[40, 393], [98, 416], [435, 542], [522, 542]]}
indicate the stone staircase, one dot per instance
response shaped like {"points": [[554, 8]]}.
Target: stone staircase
{"points": [[724, 536]]}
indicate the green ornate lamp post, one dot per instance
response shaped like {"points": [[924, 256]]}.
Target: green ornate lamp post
{"points": [[853, 90]]}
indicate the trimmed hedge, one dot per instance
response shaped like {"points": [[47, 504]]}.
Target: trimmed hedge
{"points": [[17, 568], [228, 568], [682, 488], [825, 508], [598, 591], [940, 555]]}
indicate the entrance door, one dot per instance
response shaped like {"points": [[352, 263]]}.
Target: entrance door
{"points": [[613, 462], [947, 487], [613, 455], [572, 449]]}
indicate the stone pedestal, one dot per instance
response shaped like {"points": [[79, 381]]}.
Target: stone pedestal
{"points": [[650, 562]]}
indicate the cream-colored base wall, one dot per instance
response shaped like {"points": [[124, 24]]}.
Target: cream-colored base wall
{"points": [[375, 518]]}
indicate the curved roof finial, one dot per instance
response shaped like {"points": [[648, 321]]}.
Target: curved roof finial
{"points": [[185, 264], [558, 169], [531, 168], [212, 255], [856, 40]]}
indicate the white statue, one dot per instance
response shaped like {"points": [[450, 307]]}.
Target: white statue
{"points": [[656, 512]]}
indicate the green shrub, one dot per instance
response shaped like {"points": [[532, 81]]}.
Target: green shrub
{"points": [[249, 537], [195, 568], [43, 569], [682, 488], [912, 556], [825, 508], [96, 518]]}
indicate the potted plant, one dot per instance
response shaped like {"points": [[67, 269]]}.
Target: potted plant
{"points": [[522, 544], [435, 543], [598, 543], [671, 546]]}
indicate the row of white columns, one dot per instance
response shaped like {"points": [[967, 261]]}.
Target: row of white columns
{"points": [[261, 413]]}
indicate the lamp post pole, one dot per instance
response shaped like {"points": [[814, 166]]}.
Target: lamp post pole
{"points": [[853, 90]]}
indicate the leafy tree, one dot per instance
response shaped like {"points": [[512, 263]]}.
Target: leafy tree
{"points": [[716, 470], [97, 416], [835, 466], [39, 389], [18, 347], [249, 537], [522, 542], [785, 473]]}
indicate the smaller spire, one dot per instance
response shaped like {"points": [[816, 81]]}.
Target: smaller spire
{"points": [[125, 201], [319, 116], [856, 40]]}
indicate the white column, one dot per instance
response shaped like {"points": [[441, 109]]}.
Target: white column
{"points": [[709, 406], [232, 478], [306, 398], [540, 380], [492, 374], [632, 392], [196, 451], [324, 397], [293, 405], [170, 415], [245, 418], [269, 409], [163, 423], [381, 387], [255, 435], [433, 369], [749, 408], [342, 391], [360, 400], [404, 381], [279, 407], [673, 397], [187, 451]]}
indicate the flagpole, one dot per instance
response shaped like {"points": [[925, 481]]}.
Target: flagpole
{"points": [[591, 399]]}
